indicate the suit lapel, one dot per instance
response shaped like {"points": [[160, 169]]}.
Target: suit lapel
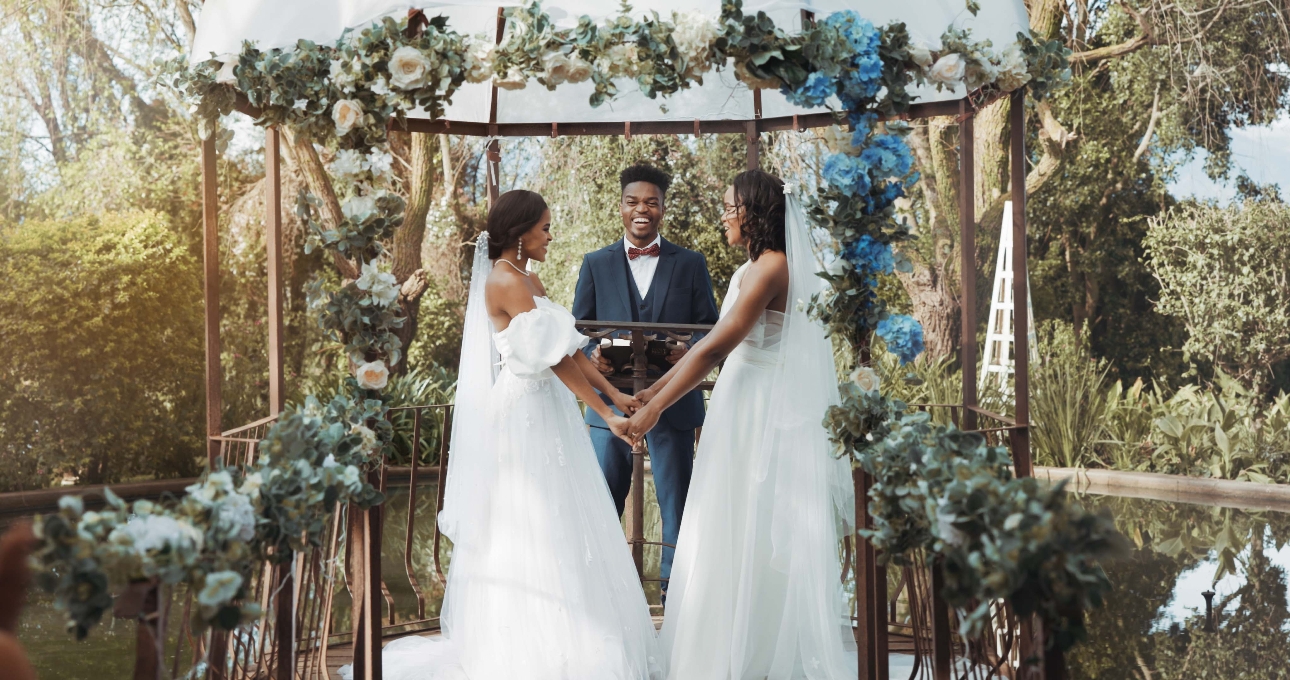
{"points": [[618, 254], [662, 277]]}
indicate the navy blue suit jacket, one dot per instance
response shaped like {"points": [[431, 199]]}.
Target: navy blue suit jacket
{"points": [[682, 281]]}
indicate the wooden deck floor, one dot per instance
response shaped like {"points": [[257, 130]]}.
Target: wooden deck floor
{"points": [[340, 655]]}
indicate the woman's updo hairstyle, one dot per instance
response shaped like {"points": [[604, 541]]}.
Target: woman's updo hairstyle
{"points": [[512, 215], [760, 195]]}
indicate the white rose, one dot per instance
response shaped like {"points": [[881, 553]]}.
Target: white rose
{"points": [[948, 70], [368, 436], [980, 72], [866, 379], [921, 53], [619, 60], [836, 267], [514, 80], [358, 207], [479, 61], [409, 68], [346, 113], [225, 74], [373, 375]]}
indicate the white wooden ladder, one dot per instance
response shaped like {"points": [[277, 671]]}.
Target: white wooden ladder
{"points": [[997, 362]]}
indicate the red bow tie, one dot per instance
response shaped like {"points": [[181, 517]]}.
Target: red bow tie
{"points": [[634, 252]]}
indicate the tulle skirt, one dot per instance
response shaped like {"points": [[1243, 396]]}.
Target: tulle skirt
{"points": [[543, 588], [738, 606]]}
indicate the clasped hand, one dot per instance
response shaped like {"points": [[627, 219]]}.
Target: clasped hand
{"points": [[632, 430]]}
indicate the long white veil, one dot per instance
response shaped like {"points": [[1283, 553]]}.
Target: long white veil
{"points": [[470, 468], [814, 498]]}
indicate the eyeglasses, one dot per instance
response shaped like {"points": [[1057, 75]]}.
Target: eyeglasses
{"points": [[727, 209]]}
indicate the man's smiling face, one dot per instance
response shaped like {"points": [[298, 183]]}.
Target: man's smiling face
{"points": [[642, 211]]}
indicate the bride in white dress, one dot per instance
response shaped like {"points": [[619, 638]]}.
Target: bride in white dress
{"points": [[541, 585], [756, 583]]}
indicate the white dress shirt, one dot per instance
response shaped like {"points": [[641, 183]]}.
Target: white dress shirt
{"points": [[643, 267]]}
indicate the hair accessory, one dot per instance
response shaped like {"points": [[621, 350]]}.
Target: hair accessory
{"points": [[789, 188]]}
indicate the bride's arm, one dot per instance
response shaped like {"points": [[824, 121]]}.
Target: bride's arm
{"points": [[765, 280], [625, 402], [510, 297]]}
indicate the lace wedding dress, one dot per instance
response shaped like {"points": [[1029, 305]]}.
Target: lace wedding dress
{"points": [[756, 583], [541, 585]]}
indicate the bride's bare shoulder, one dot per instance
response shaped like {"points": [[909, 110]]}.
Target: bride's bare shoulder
{"points": [[508, 291], [771, 264]]}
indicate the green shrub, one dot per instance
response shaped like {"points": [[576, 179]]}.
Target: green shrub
{"points": [[1067, 398]]}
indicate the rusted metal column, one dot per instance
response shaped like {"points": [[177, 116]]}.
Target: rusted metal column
{"points": [[284, 621], [967, 262], [140, 602], [942, 659], [864, 600], [636, 520], [752, 134], [356, 555], [493, 154], [210, 290], [273, 251], [1020, 287], [372, 606]]}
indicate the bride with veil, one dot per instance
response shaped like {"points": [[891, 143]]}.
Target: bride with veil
{"points": [[756, 585], [541, 585]]}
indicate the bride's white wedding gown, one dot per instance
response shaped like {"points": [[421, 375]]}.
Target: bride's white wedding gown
{"points": [[541, 585], [756, 583]]}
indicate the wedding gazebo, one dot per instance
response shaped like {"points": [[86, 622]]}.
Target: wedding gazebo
{"points": [[722, 104]]}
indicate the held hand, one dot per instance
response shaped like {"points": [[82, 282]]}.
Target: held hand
{"points": [[676, 353], [625, 402], [644, 421], [602, 364], [620, 427], [644, 396]]}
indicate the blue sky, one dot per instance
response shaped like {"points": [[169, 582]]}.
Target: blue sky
{"points": [[1260, 151]]}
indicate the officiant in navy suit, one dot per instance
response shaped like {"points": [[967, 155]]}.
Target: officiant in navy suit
{"points": [[643, 277]]}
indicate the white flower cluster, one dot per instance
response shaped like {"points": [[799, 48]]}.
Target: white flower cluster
{"points": [[974, 68], [352, 163], [694, 34], [379, 285], [560, 68]]}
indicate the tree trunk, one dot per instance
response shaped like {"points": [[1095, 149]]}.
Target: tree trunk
{"points": [[406, 247]]}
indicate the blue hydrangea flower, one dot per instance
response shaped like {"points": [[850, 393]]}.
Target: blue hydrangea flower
{"points": [[903, 335], [813, 93], [849, 174], [862, 124], [887, 155], [869, 256], [883, 196], [861, 79]]}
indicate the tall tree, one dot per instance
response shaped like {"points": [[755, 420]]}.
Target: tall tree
{"points": [[1178, 75]]}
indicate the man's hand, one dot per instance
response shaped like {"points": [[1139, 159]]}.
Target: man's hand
{"points": [[602, 364], [677, 352]]}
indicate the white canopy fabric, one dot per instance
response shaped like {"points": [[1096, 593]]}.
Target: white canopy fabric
{"points": [[225, 24]]}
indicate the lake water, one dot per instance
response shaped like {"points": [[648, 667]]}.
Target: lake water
{"points": [[1151, 628]]}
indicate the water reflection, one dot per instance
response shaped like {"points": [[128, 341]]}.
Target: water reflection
{"points": [[1153, 627]]}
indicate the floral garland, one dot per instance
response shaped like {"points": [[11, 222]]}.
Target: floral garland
{"points": [[313, 457], [944, 491]]}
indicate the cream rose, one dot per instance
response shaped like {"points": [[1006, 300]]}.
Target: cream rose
{"points": [[693, 36], [921, 53], [346, 114], [409, 68], [514, 80], [373, 375], [948, 70], [619, 60], [479, 61], [866, 379]]}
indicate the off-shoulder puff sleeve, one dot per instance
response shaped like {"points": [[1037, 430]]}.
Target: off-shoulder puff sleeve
{"points": [[539, 339]]}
